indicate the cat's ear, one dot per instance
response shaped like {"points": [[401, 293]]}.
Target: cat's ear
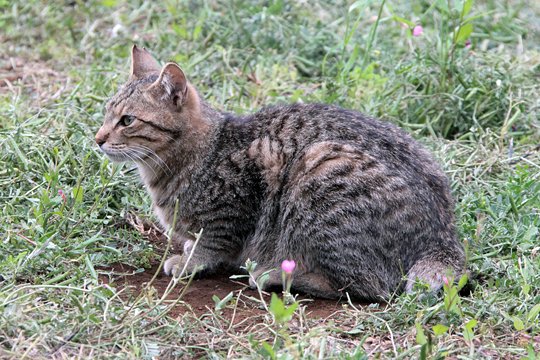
{"points": [[142, 62], [171, 84]]}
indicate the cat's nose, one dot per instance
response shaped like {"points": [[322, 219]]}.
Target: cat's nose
{"points": [[100, 140], [101, 137]]}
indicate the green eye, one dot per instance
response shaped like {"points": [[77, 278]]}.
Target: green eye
{"points": [[127, 120]]}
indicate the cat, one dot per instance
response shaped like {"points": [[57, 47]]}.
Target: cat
{"points": [[359, 204]]}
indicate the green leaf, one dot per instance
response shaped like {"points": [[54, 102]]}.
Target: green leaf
{"points": [[420, 336], [281, 312], [355, 331], [276, 8], [440, 329], [108, 3], [197, 31], [462, 281], [533, 313], [90, 267], [219, 304], [180, 30], [234, 277], [289, 311], [78, 194], [531, 354], [471, 324], [530, 234], [468, 333], [442, 5], [352, 60], [267, 351], [358, 4], [424, 352], [276, 306], [467, 5], [261, 280], [250, 266], [404, 21], [93, 318], [451, 299], [45, 200], [518, 324], [464, 33]]}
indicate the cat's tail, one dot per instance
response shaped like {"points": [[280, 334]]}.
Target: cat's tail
{"points": [[432, 272]]}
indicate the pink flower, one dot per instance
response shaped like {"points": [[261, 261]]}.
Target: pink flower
{"points": [[468, 44], [62, 195], [417, 30], [288, 266], [445, 280]]}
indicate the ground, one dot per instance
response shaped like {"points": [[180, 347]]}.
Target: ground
{"points": [[78, 275], [198, 296]]}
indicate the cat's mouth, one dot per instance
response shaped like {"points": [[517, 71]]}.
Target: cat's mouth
{"points": [[117, 157], [117, 153], [136, 154]]}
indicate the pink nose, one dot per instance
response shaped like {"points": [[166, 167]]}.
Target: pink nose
{"points": [[101, 137]]}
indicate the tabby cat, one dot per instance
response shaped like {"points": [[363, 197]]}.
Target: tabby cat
{"points": [[357, 203]]}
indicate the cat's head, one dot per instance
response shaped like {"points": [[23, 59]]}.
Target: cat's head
{"points": [[155, 108]]}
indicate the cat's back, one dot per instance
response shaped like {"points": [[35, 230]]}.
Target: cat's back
{"points": [[320, 122], [317, 147], [294, 129]]}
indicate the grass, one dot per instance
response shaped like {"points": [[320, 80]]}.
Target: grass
{"points": [[62, 220]]}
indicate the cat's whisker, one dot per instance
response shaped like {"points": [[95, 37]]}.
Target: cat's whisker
{"points": [[151, 157], [129, 157], [141, 159], [159, 160], [156, 157], [151, 154], [169, 137]]}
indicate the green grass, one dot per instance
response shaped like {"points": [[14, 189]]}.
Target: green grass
{"points": [[477, 108]]}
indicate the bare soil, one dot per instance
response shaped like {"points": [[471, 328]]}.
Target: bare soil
{"points": [[32, 77], [198, 296]]}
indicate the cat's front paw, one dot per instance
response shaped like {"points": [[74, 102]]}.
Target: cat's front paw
{"points": [[174, 265]]}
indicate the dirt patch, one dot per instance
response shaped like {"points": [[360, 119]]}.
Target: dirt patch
{"points": [[198, 296], [34, 78]]}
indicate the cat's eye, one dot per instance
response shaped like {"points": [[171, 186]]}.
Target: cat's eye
{"points": [[127, 120]]}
